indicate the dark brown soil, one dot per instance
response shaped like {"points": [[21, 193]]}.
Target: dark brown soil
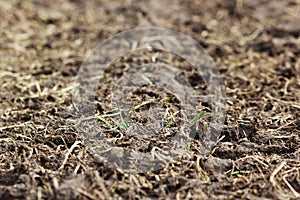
{"points": [[256, 46]]}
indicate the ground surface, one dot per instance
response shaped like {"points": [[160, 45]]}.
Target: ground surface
{"points": [[256, 47]]}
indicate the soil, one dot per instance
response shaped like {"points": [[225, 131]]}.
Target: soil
{"points": [[256, 47]]}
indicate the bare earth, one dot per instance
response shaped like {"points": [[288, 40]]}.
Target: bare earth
{"points": [[256, 46]]}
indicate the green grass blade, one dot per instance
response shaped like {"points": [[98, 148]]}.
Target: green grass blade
{"points": [[104, 121], [198, 117], [124, 125]]}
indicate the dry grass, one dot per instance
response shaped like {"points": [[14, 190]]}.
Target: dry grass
{"points": [[255, 46]]}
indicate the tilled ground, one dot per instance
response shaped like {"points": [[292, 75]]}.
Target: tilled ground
{"points": [[256, 47]]}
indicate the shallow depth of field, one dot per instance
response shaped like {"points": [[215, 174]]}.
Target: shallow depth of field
{"points": [[256, 47]]}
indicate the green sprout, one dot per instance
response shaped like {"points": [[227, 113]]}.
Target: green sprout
{"points": [[104, 121], [114, 124], [169, 125], [123, 124], [198, 117], [188, 146], [88, 129]]}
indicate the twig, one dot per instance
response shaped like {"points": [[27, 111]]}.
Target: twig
{"points": [[90, 196], [272, 177], [289, 185], [261, 162], [13, 126], [282, 101], [68, 154], [99, 181], [142, 104]]}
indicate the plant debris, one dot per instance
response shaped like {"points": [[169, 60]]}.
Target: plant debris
{"points": [[256, 47]]}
